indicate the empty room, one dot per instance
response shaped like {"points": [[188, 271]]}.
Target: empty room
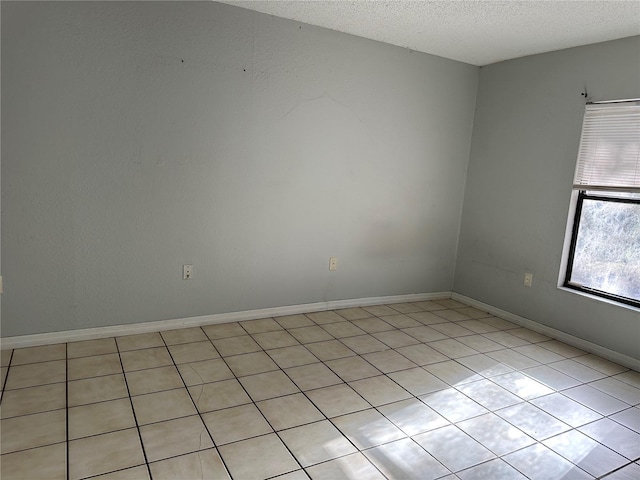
{"points": [[320, 240]]}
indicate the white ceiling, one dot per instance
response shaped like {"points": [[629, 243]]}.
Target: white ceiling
{"points": [[478, 32]]}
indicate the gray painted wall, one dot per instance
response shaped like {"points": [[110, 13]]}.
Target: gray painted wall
{"points": [[525, 142], [138, 137]]}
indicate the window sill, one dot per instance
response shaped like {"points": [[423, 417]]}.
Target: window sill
{"points": [[599, 299]]}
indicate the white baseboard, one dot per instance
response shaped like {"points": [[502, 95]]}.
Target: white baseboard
{"points": [[599, 350], [146, 327]]}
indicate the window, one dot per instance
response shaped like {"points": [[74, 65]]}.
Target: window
{"points": [[604, 251]]}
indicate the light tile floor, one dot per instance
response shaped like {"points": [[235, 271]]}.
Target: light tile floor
{"points": [[406, 391]]}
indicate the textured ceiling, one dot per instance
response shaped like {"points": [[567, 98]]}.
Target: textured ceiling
{"points": [[477, 32]]}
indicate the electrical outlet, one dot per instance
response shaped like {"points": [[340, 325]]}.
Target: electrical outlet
{"points": [[187, 272], [528, 279], [333, 263]]}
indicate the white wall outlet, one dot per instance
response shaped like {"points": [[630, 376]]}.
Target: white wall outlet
{"points": [[333, 263], [528, 279], [187, 272]]}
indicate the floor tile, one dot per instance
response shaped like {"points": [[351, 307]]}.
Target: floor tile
{"points": [[316, 442], [261, 325], [88, 348], [480, 343], [533, 421], [379, 390], [46, 353], [401, 321], [214, 396], [388, 361], [310, 334], [529, 335], [586, 453], [315, 375], [551, 377], [477, 326], [620, 390], [405, 307], [343, 329], [350, 467], [513, 359], [380, 310], [202, 464], [539, 354], [236, 345], [372, 325], [395, 338], [329, 350], [613, 435], [489, 395], [25, 401], [268, 385], [98, 418], [451, 315], [493, 469], [562, 348], [289, 411], [96, 366], [600, 364], [140, 341], [421, 354], [30, 431], [141, 472], [183, 335], [485, 365], [453, 405], [159, 406], [473, 312], [496, 434], [3, 376], [630, 418], [353, 313], [499, 323], [630, 377], [405, 459], [522, 385], [193, 352], [36, 374], [104, 453], [566, 410], [412, 416], [577, 370], [322, 318], [452, 372], [538, 462], [364, 344], [5, 357], [224, 330], [629, 472], [293, 321], [446, 444], [425, 334], [337, 400], [277, 462], [425, 318], [208, 371], [367, 428], [237, 423], [48, 462], [292, 356], [596, 400], [153, 380], [97, 389], [146, 358], [352, 368], [279, 339], [418, 381], [452, 329], [174, 437], [250, 364]]}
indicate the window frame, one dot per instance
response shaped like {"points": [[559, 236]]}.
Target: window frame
{"points": [[577, 216]]}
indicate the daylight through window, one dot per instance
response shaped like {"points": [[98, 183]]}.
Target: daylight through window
{"points": [[604, 255]]}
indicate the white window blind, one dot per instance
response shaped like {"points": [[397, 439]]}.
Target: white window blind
{"points": [[609, 155]]}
